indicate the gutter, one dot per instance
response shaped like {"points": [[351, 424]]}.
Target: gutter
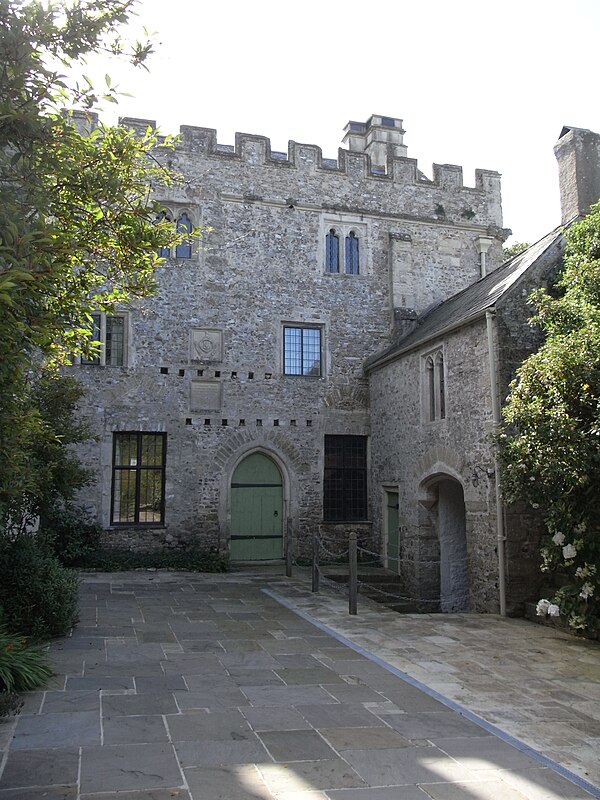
{"points": [[490, 318], [386, 359]]}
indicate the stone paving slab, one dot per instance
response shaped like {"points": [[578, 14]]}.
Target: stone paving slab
{"points": [[196, 687]]}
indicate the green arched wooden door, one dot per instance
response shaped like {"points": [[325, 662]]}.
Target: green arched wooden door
{"points": [[256, 510]]}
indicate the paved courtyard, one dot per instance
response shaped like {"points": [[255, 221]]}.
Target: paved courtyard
{"points": [[210, 687]]}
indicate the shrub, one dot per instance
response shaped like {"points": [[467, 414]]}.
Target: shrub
{"points": [[70, 538], [191, 560], [38, 596], [550, 441], [22, 667]]}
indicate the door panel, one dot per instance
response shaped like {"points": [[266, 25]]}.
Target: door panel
{"points": [[256, 510], [391, 527]]}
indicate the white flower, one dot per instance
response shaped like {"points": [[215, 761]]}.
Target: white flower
{"points": [[542, 608], [577, 622], [586, 571], [553, 610], [558, 538], [569, 552], [587, 590]]}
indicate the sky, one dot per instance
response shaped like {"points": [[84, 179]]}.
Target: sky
{"points": [[477, 83]]}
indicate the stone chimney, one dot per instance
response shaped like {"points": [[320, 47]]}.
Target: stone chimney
{"points": [[378, 137], [578, 155]]}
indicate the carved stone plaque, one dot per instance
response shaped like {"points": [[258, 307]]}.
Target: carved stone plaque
{"points": [[206, 396], [206, 344]]}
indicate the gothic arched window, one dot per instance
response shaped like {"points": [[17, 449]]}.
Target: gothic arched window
{"points": [[440, 388], [332, 252], [164, 252], [351, 262], [184, 248], [429, 367]]}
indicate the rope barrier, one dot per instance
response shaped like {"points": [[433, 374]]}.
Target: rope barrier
{"points": [[349, 583]]}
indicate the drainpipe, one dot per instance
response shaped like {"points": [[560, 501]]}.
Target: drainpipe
{"points": [[483, 245], [490, 317]]}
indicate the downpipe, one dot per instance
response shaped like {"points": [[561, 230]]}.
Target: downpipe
{"points": [[490, 318]]}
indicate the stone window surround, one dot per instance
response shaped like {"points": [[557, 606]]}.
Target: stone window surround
{"points": [[346, 480], [344, 225], [101, 361], [309, 325], [138, 468], [172, 212], [433, 386]]}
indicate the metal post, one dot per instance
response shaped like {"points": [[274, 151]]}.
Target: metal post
{"points": [[288, 548], [316, 572], [353, 573]]}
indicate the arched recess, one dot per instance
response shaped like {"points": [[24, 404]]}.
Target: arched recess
{"points": [[257, 509], [443, 497]]}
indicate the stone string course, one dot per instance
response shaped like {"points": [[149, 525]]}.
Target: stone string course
{"points": [[260, 265]]}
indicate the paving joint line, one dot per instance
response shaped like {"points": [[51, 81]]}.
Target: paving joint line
{"points": [[526, 749]]}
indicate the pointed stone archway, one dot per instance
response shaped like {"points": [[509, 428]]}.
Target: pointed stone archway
{"points": [[257, 509], [445, 503]]}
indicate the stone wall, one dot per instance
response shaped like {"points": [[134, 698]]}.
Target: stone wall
{"points": [[414, 454], [424, 459], [204, 356]]}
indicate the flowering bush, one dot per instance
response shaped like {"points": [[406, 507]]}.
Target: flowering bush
{"points": [[550, 441], [574, 557]]}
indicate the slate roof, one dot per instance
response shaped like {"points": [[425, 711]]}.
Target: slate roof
{"points": [[469, 304]]}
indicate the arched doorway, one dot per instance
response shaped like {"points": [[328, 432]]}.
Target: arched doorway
{"points": [[451, 529], [256, 510]]}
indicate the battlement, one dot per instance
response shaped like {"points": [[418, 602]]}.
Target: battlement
{"points": [[376, 151]]}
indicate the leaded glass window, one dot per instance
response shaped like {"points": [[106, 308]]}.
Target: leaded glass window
{"points": [[345, 479], [332, 252], [351, 254], [111, 332], [184, 248], [164, 252], [301, 351], [138, 487], [115, 341], [96, 327]]}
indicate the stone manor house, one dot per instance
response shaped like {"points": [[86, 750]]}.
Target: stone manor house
{"points": [[331, 357]]}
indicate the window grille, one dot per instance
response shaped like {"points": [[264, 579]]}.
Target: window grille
{"points": [[138, 486], [301, 351], [345, 479]]}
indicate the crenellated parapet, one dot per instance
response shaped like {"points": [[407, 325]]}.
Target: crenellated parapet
{"points": [[377, 164]]}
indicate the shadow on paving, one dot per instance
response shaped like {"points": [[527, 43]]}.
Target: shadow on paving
{"points": [[202, 687]]}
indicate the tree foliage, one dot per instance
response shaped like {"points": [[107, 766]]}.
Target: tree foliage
{"points": [[514, 249], [550, 444], [78, 226]]}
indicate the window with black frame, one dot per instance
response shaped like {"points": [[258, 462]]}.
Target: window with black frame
{"points": [[345, 479], [301, 351], [138, 485]]}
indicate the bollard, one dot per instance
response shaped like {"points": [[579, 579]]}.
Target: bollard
{"points": [[316, 574], [288, 548], [353, 574]]}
